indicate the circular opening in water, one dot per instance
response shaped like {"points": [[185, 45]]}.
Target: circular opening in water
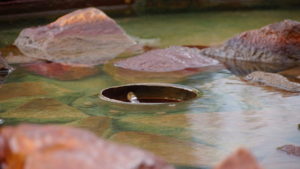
{"points": [[149, 93]]}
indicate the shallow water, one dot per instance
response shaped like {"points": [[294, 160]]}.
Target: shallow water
{"points": [[230, 114]]}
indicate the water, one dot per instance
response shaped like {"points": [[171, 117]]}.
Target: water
{"points": [[230, 114]]}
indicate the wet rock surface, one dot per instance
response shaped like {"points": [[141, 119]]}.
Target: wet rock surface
{"points": [[38, 147], [61, 71], [30, 90], [44, 110], [240, 159], [83, 37], [273, 80], [274, 43], [174, 58], [5, 69], [290, 149], [171, 149], [100, 125]]}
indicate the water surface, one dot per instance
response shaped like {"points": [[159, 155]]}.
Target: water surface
{"points": [[230, 114]]}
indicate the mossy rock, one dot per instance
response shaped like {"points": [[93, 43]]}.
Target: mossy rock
{"points": [[44, 110], [100, 125], [30, 90]]}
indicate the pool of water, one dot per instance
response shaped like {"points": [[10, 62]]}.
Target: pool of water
{"points": [[231, 113]]}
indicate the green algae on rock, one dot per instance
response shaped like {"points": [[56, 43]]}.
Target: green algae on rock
{"points": [[30, 90], [44, 110], [100, 125]]}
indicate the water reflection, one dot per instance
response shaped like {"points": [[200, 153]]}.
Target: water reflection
{"points": [[242, 68]]}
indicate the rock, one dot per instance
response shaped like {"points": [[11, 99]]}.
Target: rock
{"points": [[14, 56], [273, 80], [41, 147], [83, 37], [275, 43], [47, 110], [174, 58], [290, 149], [240, 159], [133, 76], [61, 71]]}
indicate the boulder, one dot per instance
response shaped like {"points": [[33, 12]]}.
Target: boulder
{"points": [[274, 43], [83, 37], [43, 147], [174, 58], [290, 149], [240, 159]]}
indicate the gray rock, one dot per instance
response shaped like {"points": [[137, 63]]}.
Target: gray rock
{"points": [[274, 43], [83, 37]]}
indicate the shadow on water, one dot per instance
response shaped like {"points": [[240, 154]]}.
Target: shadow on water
{"points": [[243, 68]]}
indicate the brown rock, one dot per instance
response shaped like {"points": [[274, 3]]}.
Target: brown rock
{"points": [[275, 43], [61, 71], [240, 159], [14, 56], [84, 37], [290, 149], [44, 147], [174, 58]]}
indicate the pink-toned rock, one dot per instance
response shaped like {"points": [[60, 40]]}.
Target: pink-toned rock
{"points": [[240, 159], [84, 37], [174, 58], [274, 43], [61, 71], [290, 149], [45, 147]]}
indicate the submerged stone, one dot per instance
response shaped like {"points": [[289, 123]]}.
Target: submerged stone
{"points": [[290, 149], [274, 43], [173, 150], [61, 71], [174, 58], [30, 90], [44, 110], [59, 147], [273, 80], [100, 125], [240, 159], [83, 37]]}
